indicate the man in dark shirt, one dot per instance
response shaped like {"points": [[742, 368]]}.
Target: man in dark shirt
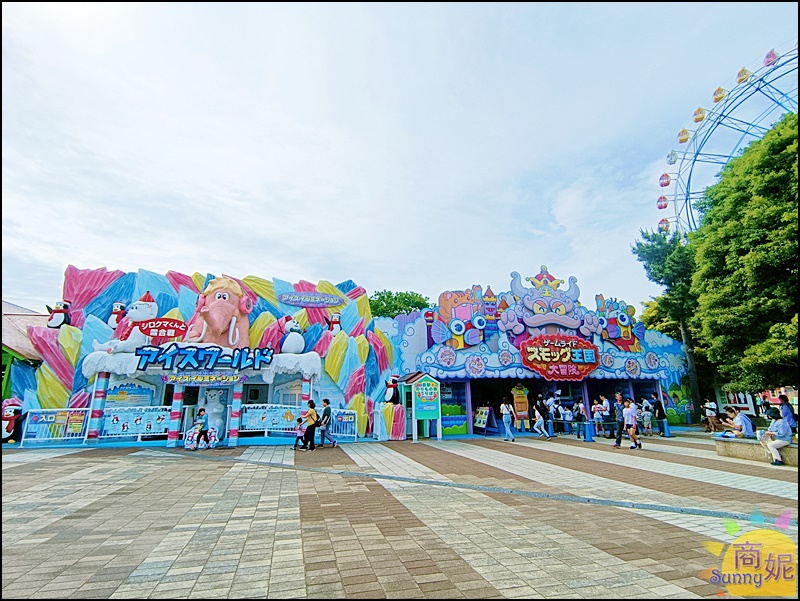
{"points": [[618, 409], [325, 422]]}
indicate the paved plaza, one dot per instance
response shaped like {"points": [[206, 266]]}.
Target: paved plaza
{"points": [[471, 518]]}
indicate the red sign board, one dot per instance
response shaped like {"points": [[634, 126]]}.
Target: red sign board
{"points": [[163, 327], [560, 357]]}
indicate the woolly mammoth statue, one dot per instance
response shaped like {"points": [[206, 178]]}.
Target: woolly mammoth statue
{"points": [[222, 310]]}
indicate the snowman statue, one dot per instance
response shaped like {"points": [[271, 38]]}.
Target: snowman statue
{"points": [[292, 340]]}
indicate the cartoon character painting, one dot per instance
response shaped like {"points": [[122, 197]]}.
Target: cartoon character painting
{"points": [[545, 309], [459, 322], [618, 325]]}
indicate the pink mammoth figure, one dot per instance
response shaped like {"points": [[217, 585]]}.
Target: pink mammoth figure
{"points": [[222, 308]]}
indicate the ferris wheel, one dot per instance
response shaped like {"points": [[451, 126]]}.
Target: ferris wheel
{"points": [[739, 116]]}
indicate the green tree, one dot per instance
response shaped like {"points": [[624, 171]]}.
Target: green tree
{"points": [[392, 304], [745, 281], [670, 263]]}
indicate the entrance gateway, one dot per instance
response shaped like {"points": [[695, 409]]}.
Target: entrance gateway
{"points": [[248, 344]]}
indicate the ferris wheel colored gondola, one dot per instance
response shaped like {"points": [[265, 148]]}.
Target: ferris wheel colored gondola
{"points": [[755, 102]]}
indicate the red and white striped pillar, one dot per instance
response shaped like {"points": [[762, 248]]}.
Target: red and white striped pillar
{"points": [[98, 406], [236, 415], [175, 416]]}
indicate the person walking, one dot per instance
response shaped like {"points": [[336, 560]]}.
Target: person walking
{"points": [[509, 417], [299, 433], [324, 424], [202, 429], [777, 436], [311, 421], [619, 408], [630, 415], [538, 426]]}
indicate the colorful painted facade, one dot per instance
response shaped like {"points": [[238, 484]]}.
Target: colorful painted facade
{"points": [[539, 332], [147, 339]]}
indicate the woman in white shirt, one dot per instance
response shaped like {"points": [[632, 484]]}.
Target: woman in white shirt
{"points": [[509, 417], [711, 415], [630, 415], [538, 426]]}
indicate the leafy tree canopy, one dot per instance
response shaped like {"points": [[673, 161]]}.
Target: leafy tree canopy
{"points": [[392, 304], [745, 252]]}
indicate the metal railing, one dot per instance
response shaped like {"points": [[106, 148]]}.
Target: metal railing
{"points": [[56, 425], [343, 424]]}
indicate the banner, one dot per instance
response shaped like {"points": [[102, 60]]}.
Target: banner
{"points": [[281, 417], [204, 378], [135, 421], [254, 417], [559, 357]]}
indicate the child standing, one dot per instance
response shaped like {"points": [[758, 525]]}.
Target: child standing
{"points": [[647, 419], [597, 413], [299, 432], [567, 415]]}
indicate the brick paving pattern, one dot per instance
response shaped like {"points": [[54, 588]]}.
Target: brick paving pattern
{"points": [[471, 518]]}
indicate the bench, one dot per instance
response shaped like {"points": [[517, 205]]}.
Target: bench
{"points": [[750, 448]]}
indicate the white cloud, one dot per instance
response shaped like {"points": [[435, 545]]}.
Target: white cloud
{"points": [[405, 147]]}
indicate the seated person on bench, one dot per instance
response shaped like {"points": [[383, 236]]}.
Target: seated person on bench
{"points": [[738, 423]]}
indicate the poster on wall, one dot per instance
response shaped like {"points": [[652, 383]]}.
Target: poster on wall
{"points": [[155, 420], [75, 422], [131, 393], [254, 418], [281, 417], [427, 404], [133, 421], [118, 421]]}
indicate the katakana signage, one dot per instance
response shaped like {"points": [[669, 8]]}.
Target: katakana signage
{"points": [[560, 357]]}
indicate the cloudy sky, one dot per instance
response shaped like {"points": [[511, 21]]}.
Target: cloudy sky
{"points": [[406, 147]]}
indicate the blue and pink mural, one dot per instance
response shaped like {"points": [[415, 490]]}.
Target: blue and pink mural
{"points": [[188, 316], [538, 328], [135, 325]]}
